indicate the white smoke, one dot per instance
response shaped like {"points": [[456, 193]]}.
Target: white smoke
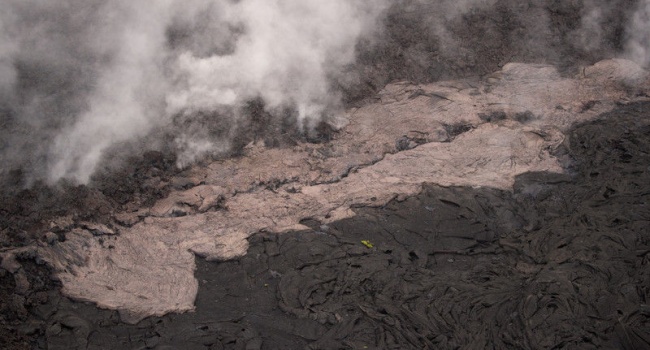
{"points": [[7, 50], [126, 100], [127, 67], [638, 32], [81, 77], [590, 33], [286, 53]]}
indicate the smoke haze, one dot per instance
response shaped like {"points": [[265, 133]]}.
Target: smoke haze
{"points": [[638, 32], [81, 77]]}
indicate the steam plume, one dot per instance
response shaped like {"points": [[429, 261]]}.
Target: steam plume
{"points": [[638, 31], [81, 76]]}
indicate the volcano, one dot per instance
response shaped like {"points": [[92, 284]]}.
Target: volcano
{"points": [[440, 175]]}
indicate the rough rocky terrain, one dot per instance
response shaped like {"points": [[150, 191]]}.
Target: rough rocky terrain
{"points": [[511, 124], [557, 261], [490, 205]]}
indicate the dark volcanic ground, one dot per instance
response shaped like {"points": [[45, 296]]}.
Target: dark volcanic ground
{"points": [[563, 262]]}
